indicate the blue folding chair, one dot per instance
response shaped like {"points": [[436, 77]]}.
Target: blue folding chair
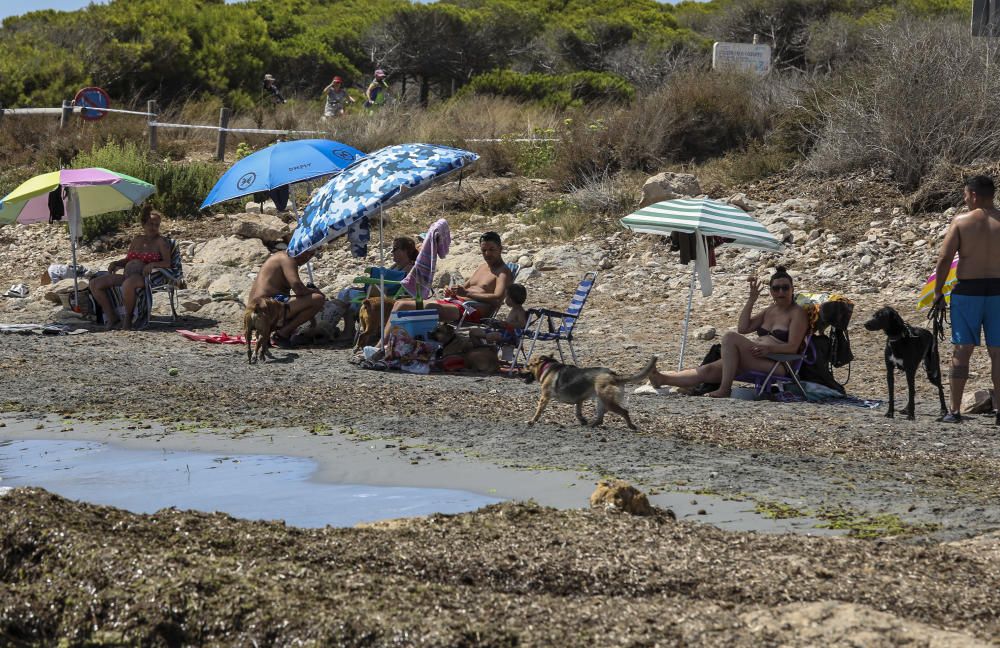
{"points": [[559, 325]]}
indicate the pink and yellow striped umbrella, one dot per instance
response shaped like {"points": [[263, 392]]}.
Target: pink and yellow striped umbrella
{"points": [[927, 292]]}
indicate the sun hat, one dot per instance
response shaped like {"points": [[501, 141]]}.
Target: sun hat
{"points": [[379, 74]]}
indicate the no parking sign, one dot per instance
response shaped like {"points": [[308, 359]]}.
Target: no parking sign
{"points": [[89, 99]]}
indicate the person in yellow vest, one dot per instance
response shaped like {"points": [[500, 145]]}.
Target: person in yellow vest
{"points": [[378, 91]]}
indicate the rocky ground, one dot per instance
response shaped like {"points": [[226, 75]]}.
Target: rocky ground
{"points": [[919, 482]]}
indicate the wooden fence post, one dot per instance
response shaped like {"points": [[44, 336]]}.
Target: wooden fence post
{"points": [[151, 122], [67, 112], [220, 146]]}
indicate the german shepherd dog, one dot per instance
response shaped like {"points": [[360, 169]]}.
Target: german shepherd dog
{"points": [[905, 348], [570, 384], [263, 315]]}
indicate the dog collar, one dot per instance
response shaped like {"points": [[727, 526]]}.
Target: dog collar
{"points": [[545, 368]]}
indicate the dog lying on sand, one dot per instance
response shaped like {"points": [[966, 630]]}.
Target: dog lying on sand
{"points": [[905, 348], [570, 384], [263, 315], [477, 357]]}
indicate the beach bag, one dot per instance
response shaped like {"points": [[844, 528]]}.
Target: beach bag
{"points": [[714, 353], [821, 369]]}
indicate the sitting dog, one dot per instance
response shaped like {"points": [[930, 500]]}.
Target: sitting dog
{"points": [[905, 347], [263, 315], [570, 384], [481, 358]]}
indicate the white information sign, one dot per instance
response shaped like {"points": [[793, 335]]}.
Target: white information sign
{"points": [[745, 56]]}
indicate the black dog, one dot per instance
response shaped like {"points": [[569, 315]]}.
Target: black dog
{"points": [[905, 348]]}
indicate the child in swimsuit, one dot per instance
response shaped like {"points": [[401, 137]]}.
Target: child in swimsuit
{"points": [[509, 331]]}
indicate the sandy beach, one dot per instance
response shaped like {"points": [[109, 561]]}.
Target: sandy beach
{"points": [[899, 493]]}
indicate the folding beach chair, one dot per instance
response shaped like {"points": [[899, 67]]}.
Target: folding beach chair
{"points": [[559, 325], [791, 362], [168, 280]]}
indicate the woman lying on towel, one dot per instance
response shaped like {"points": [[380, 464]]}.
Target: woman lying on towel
{"points": [[147, 252], [780, 328]]}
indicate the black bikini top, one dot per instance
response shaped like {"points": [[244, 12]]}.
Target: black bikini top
{"points": [[777, 334]]}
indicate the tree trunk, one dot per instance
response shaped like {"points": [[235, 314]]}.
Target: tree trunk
{"points": [[425, 91]]}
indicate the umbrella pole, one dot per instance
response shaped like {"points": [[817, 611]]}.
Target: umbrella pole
{"points": [[74, 227], [687, 320], [381, 281]]}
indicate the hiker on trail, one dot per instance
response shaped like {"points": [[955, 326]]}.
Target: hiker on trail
{"points": [[378, 91], [975, 299], [272, 88], [336, 98]]}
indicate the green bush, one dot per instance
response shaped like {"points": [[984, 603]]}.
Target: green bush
{"points": [[94, 226], [557, 91], [180, 186], [502, 199]]}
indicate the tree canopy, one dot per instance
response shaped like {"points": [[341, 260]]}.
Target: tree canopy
{"points": [[177, 49]]}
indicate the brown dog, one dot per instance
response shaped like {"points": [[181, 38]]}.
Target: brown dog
{"points": [[571, 384], [481, 358], [262, 315]]}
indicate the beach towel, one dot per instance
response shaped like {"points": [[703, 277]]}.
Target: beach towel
{"points": [[221, 338], [41, 329], [435, 246]]}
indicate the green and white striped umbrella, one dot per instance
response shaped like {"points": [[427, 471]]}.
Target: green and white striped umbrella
{"points": [[706, 217]]}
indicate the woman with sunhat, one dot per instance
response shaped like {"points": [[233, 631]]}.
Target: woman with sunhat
{"points": [[336, 98]]}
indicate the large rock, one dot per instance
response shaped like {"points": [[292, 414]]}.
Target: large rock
{"points": [[232, 284], [573, 257], [266, 227], [63, 287], [232, 251], [201, 275], [667, 186], [222, 311]]}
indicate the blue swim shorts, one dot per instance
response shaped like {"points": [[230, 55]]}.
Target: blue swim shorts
{"points": [[975, 306]]}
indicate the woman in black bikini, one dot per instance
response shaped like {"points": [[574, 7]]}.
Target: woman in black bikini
{"points": [[780, 328], [148, 251]]}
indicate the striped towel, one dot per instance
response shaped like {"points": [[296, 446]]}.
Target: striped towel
{"points": [[421, 277]]}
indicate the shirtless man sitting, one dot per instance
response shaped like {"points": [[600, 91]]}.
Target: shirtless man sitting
{"points": [[280, 276], [487, 286], [975, 299]]}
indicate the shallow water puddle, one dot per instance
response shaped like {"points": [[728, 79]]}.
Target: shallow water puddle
{"points": [[303, 478], [256, 487]]}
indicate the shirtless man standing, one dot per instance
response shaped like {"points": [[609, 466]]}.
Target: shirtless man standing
{"points": [[280, 276], [488, 286], [975, 299]]}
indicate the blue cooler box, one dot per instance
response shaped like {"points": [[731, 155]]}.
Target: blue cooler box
{"points": [[417, 323]]}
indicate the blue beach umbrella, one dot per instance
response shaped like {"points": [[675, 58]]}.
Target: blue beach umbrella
{"points": [[281, 164], [375, 182], [380, 180]]}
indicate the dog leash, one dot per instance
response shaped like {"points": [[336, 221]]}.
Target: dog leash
{"points": [[938, 317]]}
